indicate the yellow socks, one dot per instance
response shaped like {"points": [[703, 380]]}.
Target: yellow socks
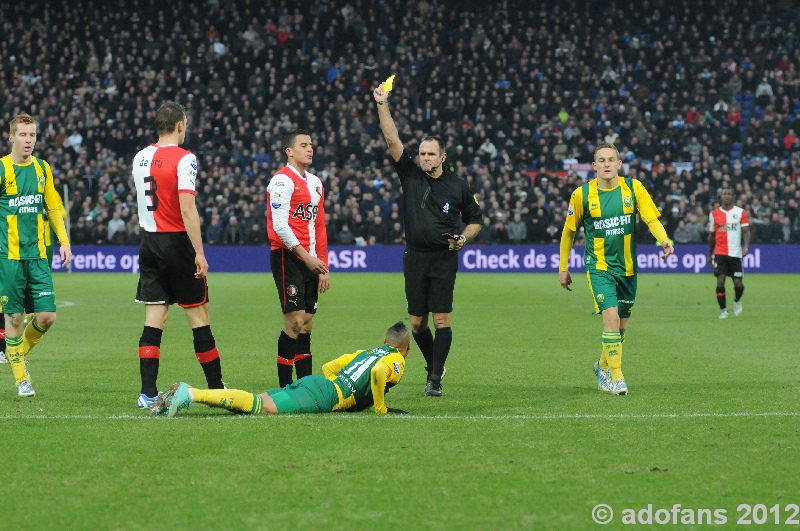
{"points": [[612, 352], [230, 399], [32, 335], [16, 359]]}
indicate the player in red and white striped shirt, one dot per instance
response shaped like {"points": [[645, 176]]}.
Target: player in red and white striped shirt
{"points": [[172, 264], [299, 256], [728, 229]]}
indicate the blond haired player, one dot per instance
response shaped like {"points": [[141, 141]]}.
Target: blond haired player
{"points": [[606, 207]]}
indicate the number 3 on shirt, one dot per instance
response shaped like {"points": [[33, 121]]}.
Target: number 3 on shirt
{"points": [[152, 193]]}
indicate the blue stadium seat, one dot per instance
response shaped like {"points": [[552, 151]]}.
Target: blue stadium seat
{"points": [[737, 146]]}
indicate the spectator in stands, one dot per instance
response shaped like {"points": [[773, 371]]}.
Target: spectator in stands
{"points": [[516, 229], [396, 236], [256, 235], [115, 224], [345, 236], [239, 108], [215, 232], [233, 232]]}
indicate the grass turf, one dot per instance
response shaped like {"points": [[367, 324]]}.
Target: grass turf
{"points": [[521, 437]]}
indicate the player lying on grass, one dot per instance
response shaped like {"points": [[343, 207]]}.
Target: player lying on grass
{"points": [[350, 383]]}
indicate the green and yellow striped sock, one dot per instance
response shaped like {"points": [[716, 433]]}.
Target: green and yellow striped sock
{"points": [[16, 359], [230, 399], [32, 335], [612, 350]]}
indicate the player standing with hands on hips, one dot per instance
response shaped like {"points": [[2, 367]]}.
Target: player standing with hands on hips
{"points": [[172, 263], [436, 202], [606, 206], [299, 256], [728, 227]]}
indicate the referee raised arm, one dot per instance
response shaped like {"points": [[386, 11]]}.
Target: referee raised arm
{"points": [[436, 200]]}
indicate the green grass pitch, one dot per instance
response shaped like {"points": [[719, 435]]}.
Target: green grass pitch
{"points": [[520, 439]]}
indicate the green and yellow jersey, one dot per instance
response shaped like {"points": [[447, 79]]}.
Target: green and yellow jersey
{"points": [[28, 199], [609, 222], [362, 376]]}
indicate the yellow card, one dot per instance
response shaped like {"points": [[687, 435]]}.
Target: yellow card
{"points": [[387, 85]]}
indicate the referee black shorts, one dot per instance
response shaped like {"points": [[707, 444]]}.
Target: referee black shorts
{"points": [[430, 280], [298, 286], [728, 265], [166, 271]]}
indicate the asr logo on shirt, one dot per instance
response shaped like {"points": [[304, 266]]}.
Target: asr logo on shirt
{"points": [[307, 212]]}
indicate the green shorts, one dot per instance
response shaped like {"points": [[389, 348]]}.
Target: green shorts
{"points": [[610, 290], [310, 394], [26, 285]]}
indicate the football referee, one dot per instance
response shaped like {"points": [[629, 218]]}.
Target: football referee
{"points": [[436, 202]]}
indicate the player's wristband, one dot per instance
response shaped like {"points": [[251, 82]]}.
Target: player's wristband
{"points": [[462, 238], [383, 103]]}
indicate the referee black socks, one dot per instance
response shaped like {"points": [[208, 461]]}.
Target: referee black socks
{"points": [[424, 341], [441, 348]]}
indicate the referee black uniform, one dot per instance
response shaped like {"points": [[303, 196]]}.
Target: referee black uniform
{"points": [[433, 208]]}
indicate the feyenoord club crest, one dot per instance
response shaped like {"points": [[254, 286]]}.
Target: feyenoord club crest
{"points": [[291, 290]]}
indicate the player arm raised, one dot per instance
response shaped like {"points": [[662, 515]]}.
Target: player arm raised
{"points": [[388, 128]]}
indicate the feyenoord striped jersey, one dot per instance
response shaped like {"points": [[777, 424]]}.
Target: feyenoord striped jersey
{"points": [[609, 222], [296, 212], [726, 226], [160, 173]]}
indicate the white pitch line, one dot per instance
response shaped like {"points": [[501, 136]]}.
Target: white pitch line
{"points": [[555, 416]]}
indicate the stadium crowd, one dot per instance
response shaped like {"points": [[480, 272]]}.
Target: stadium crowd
{"points": [[695, 94]]}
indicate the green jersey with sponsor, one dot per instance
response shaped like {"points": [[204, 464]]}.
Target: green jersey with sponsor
{"points": [[609, 222], [24, 228]]}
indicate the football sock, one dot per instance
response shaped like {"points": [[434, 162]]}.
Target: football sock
{"points": [[16, 359], [424, 341], [230, 399], [31, 336], [721, 298], [205, 349], [612, 351], [2, 334], [149, 356], [622, 337], [738, 292], [287, 348], [302, 360], [441, 348]]}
